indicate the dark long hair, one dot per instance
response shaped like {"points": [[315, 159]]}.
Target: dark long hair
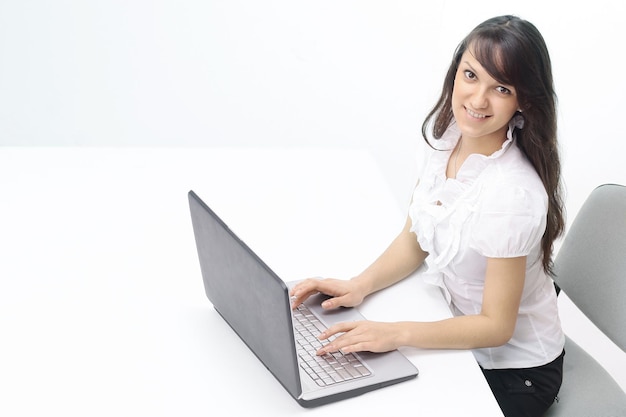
{"points": [[513, 52]]}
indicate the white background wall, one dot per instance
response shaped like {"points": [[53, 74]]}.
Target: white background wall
{"points": [[293, 73]]}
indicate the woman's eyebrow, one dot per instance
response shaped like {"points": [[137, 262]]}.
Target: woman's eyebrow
{"points": [[469, 65]]}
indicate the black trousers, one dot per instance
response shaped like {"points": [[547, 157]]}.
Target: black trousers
{"points": [[527, 392]]}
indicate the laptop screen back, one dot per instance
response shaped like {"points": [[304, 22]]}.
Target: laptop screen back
{"points": [[248, 295]]}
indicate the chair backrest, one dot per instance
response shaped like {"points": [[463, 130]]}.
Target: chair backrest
{"points": [[590, 266]]}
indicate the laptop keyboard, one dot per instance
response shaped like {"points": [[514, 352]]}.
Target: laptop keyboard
{"points": [[330, 368]]}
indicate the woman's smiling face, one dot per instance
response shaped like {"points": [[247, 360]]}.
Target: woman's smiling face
{"points": [[481, 105]]}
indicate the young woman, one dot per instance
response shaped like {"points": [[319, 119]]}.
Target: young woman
{"points": [[483, 217]]}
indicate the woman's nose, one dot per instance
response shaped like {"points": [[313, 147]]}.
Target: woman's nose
{"points": [[479, 99]]}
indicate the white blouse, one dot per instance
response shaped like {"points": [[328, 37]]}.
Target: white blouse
{"points": [[495, 208]]}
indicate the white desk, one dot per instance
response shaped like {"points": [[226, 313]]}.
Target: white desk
{"points": [[102, 308]]}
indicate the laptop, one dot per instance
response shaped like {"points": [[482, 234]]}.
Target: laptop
{"points": [[255, 302]]}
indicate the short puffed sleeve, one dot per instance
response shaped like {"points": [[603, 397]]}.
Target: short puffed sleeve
{"points": [[510, 221]]}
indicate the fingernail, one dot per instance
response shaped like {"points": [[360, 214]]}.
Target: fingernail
{"points": [[326, 304]]}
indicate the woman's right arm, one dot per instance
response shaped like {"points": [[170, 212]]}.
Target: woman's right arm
{"points": [[403, 256]]}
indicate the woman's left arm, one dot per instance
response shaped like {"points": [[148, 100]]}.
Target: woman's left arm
{"points": [[493, 326]]}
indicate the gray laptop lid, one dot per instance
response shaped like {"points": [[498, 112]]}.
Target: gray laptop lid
{"points": [[252, 299]]}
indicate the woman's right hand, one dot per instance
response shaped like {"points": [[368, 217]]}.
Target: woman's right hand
{"points": [[343, 293]]}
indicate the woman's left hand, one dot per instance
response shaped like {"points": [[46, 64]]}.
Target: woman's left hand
{"points": [[358, 336]]}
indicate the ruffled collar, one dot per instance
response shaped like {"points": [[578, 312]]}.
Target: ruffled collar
{"points": [[474, 163]]}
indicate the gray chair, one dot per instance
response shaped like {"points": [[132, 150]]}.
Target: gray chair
{"points": [[590, 268]]}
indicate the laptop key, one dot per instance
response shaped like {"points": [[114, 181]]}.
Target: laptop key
{"points": [[327, 369]]}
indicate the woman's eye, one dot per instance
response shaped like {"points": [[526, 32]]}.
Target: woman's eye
{"points": [[469, 75], [503, 90]]}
